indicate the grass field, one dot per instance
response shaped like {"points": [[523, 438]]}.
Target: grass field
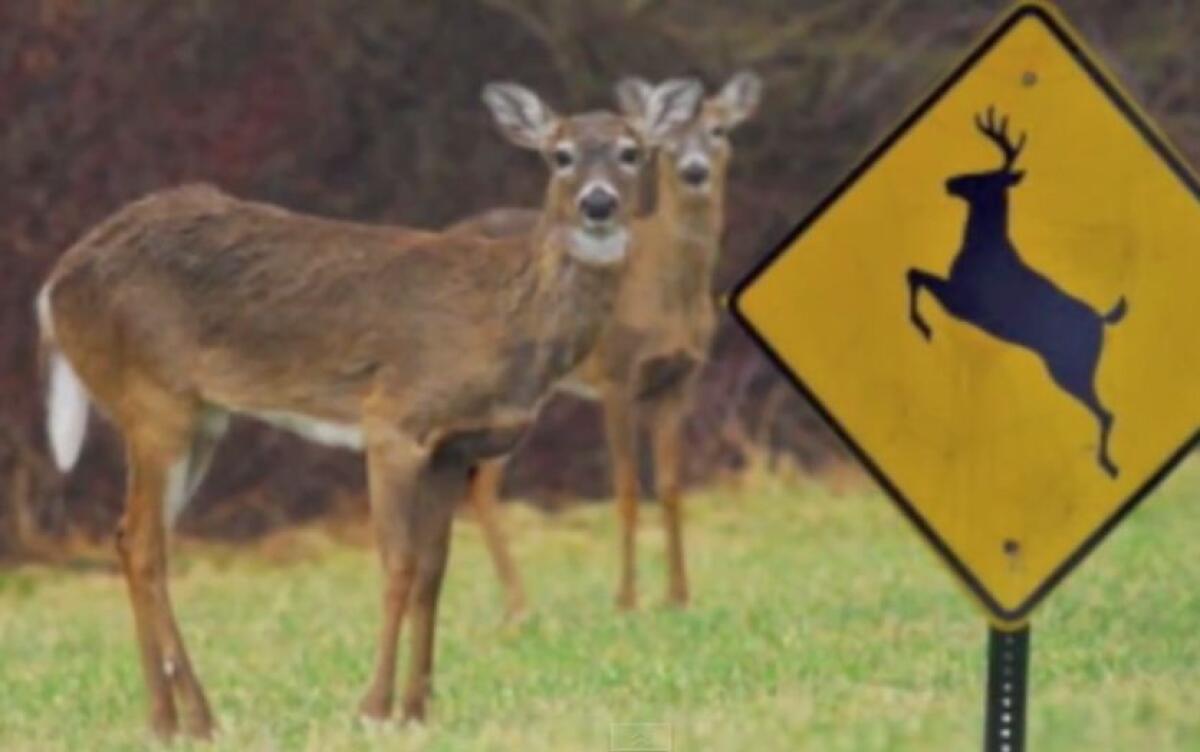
{"points": [[818, 624]]}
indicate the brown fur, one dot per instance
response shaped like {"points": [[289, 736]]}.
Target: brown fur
{"points": [[212, 300], [438, 347]]}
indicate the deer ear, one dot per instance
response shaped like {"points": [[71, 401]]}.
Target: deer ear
{"points": [[740, 97], [671, 104], [1015, 177], [633, 94], [520, 114]]}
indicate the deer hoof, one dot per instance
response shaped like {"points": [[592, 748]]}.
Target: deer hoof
{"points": [[677, 592], [199, 728], [375, 708], [515, 616], [163, 732], [414, 711], [163, 718], [164, 726]]}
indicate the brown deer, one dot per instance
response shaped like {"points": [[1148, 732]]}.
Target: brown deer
{"points": [[649, 355], [428, 351]]}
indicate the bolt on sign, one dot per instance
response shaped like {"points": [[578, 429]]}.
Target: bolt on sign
{"points": [[995, 310]]}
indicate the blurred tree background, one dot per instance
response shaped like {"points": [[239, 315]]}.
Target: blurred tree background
{"points": [[370, 110]]}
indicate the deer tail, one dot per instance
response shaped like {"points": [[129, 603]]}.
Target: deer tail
{"points": [[1117, 313], [66, 398]]}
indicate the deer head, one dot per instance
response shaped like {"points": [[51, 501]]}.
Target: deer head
{"points": [[695, 154], [595, 160], [982, 186]]}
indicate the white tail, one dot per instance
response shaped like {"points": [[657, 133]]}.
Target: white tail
{"points": [[66, 399]]}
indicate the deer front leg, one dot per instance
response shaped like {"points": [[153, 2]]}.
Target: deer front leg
{"points": [[393, 464], [440, 490], [918, 279], [666, 427], [484, 495], [619, 428]]}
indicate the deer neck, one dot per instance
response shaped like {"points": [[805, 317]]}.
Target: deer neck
{"points": [[562, 302], [687, 234], [987, 222]]}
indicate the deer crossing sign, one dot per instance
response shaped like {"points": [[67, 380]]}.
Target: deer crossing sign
{"points": [[998, 310]]}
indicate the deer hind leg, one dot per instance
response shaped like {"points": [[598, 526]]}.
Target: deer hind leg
{"points": [[666, 431], [157, 473], [619, 428], [1078, 380], [393, 465], [1105, 420], [918, 280], [212, 427], [484, 496], [439, 491], [1106, 423]]}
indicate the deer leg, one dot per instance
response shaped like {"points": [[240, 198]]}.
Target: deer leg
{"points": [[155, 474], [198, 717], [1103, 416], [182, 480], [1106, 422], [439, 492], [204, 446], [666, 429], [393, 465], [619, 428], [1077, 378], [918, 280], [484, 496], [135, 549]]}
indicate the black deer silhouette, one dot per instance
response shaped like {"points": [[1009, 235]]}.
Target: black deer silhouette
{"points": [[991, 287]]}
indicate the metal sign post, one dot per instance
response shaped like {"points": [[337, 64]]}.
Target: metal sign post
{"points": [[1007, 690]]}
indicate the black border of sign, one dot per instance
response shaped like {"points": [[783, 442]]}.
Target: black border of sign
{"points": [[1153, 139]]}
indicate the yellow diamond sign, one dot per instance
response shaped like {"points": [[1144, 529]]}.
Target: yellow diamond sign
{"points": [[997, 310]]}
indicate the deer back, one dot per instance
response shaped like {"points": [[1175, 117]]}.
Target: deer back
{"points": [[257, 308]]}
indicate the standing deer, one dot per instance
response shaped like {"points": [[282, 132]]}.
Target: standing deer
{"points": [[647, 360], [427, 351], [991, 287]]}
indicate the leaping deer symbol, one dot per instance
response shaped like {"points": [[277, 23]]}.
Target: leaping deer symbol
{"points": [[991, 287]]}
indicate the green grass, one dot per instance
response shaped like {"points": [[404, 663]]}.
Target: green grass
{"points": [[818, 624]]}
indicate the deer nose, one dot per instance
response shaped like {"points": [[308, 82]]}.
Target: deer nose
{"points": [[598, 204], [694, 173]]}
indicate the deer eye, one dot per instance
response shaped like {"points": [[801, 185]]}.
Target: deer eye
{"points": [[717, 131], [563, 157], [629, 155]]}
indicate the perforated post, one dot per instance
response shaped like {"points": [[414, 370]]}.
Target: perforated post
{"points": [[1007, 690]]}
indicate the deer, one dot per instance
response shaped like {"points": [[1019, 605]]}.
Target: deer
{"points": [[645, 367], [991, 287], [426, 351]]}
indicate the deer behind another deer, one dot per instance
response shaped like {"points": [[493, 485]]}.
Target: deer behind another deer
{"points": [[645, 364]]}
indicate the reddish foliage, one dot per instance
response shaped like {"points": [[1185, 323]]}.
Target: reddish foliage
{"points": [[370, 110]]}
